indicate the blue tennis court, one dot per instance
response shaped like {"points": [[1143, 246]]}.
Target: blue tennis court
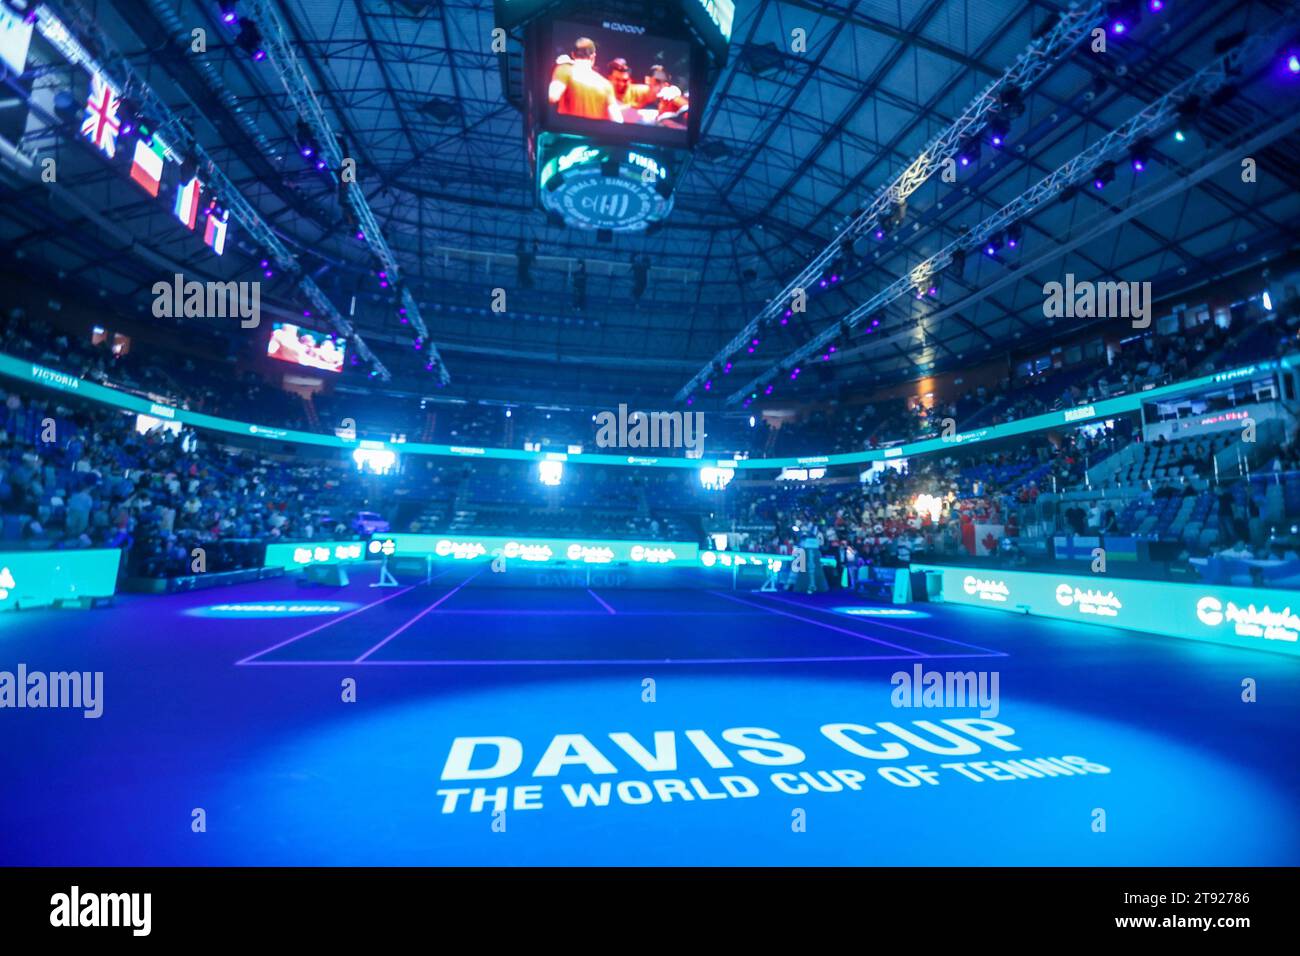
{"points": [[469, 721]]}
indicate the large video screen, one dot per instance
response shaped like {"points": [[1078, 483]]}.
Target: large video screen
{"points": [[306, 347], [617, 75]]}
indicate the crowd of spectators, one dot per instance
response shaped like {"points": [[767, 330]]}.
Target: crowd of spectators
{"points": [[81, 478]]}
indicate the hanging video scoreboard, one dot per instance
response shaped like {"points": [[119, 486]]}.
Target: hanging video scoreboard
{"points": [[613, 94]]}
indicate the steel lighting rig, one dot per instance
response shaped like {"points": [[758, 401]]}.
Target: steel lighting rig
{"points": [[1150, 120], [279, 53], [1029, 67], [182, 141]]}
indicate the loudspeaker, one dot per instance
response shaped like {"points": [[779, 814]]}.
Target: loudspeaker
{"points": [[329, 575]]}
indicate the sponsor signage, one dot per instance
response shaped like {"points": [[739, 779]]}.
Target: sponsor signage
{"points": [[1256, 618], [290, 555], [557, 551], [40, 578]]}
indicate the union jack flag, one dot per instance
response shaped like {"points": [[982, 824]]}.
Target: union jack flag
{"points": [[101, 124]]}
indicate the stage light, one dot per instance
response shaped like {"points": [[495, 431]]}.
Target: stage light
{"points": [[249, 40], [1268, 301], [726, 369], [1102, 175], [1014, 232], [897, 214], [768, 390], [1011, 104], [1123, 16], [1140, 155], [128, 111], [228, 14], [1180, 136], [306, 142], [998, 130], [708, 386], [1293, 63], [992, 245], [969, 151]]}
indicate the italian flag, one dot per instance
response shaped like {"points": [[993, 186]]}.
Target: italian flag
{"points": [[147, 165], [187, 202]]}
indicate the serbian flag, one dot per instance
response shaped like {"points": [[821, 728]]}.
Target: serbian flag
{"points": [[101, 124], [187, 202], [214, 231], [147, 165]]}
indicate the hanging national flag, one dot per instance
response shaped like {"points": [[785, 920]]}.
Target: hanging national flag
{"points": [[187, 202], [147, 165], [214, 232], [101, 124]]}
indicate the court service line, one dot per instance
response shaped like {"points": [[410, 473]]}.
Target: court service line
{"points": [[329, 623], [830, 627], [600, 601], [893, 627], [417, 617]]}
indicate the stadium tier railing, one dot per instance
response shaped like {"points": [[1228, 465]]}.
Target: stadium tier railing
{"points": [[34, 373]]}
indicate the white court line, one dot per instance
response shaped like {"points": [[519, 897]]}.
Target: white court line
{"points": [[329, 623], [417, 617]]}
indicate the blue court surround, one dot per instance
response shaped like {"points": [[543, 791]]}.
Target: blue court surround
{"points": [[244, 719]]}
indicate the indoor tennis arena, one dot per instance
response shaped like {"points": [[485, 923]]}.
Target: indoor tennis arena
{"points": [[692, 437]]}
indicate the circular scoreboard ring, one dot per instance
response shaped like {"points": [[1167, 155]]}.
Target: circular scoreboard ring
{"points": [[602, 187]]}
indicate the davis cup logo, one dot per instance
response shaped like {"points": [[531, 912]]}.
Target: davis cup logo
{"points": [[996, 591]]}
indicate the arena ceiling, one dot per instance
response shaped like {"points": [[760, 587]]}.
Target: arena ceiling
{"points": [[792, 143]]}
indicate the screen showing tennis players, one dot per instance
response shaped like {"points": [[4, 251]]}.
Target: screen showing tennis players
{"points": [[306, 347], [624, 77]]}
